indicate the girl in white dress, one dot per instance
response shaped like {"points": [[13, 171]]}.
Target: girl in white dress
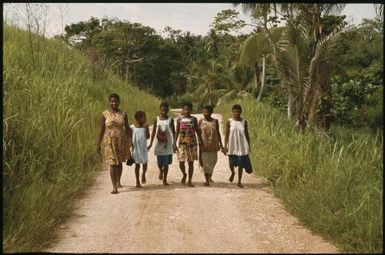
{"points": [[140, 134], [164, 130], [237, 144]]}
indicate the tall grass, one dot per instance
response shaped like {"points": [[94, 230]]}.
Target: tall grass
{"points": [[333, 183], [50, 123]]}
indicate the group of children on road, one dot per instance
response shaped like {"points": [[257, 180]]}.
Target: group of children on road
{"points": [[191, 140]]}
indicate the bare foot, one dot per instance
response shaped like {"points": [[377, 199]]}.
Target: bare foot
{"points": [[184, 178], [206, 184], [114, 192], [138, 185], [190, 184], [143, 178], [160, 175], [231, 177], [240, 185], [119, 185], [165, 183]]}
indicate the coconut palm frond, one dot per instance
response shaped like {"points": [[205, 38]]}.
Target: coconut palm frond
{"points": [[332, 9], [227, 97], [322, 64], [250, 51], [202, 89]]}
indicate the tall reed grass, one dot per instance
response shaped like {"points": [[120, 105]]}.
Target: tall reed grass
{"points": [[333, 183], [50, 124]]}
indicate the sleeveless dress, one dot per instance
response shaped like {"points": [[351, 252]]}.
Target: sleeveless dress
{"points": [[187, 146], [238, 149], [209, 151], [139, 143], [164, 150], [115, 144]]}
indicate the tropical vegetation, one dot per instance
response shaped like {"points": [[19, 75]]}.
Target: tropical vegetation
{"points": [[302, 68]]}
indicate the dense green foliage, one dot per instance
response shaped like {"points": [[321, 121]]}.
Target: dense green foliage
{"points": [[50, 123], [334, 184], [359, 82], [175, 66]]}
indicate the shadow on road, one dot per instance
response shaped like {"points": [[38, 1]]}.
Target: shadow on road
{"points": [[175, 185]]}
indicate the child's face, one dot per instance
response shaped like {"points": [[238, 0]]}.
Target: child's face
{"points": [[142, 120], [163, 111], [206, 113], [237, 113], [186, 110]]}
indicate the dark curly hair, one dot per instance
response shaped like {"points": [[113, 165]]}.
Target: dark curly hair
{"points": [[209, 108], [113, 95], [236, 107], [165, 105], [139, 115], [188, 104]]}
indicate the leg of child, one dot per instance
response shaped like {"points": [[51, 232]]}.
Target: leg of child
{"points": [[113, 173], [119, 175], [232, 173], [207, 177], [183, 170], [165, 172], [137, 167], [190, 173], [144, 173], [240, 171], [160, 172]]}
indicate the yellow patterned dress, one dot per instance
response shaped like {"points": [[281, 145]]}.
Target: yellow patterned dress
{"points": [[115, 145]]}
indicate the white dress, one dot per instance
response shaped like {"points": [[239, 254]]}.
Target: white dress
{"points": [[160, 148], [238, 144], [139, 142]]}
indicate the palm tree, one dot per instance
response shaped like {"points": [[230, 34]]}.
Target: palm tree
{"points": [[303, 55], [254, 49], [261, 13], [379, 9]]}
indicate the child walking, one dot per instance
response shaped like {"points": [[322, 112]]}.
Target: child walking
{"points": [[186, 127], [212, 142], [140, 134], [237, 144], [165, 132]]}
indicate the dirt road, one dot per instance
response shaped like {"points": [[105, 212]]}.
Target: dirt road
{"points": [[221, 218]]}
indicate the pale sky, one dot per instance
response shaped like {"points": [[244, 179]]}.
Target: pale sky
{"points": [[193, 17]]}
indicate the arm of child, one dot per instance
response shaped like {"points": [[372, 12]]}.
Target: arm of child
{"points": [[128, 133], [152, 134], [172, 126], [198, 131], [219, 137], [247, 135], [177, 134], [227, 135], [147, 132]]}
